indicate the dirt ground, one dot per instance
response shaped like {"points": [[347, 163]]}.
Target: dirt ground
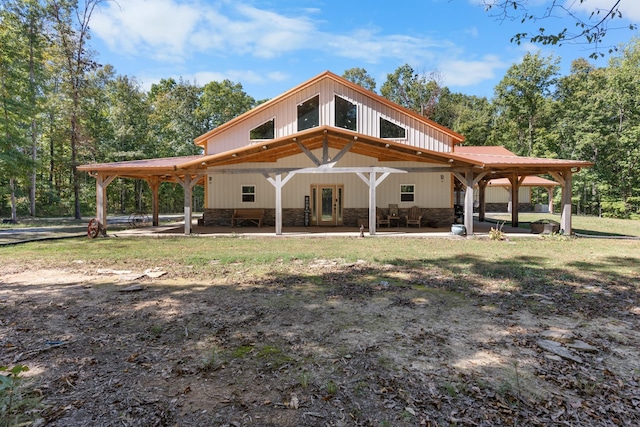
{"points": [[323, 344]]}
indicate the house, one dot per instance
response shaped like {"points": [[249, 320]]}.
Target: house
{"points": [[330, 153]]}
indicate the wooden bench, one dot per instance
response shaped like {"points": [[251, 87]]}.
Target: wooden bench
{"points": [[253, 215]]}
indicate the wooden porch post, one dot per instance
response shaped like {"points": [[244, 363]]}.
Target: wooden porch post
{"points": [[154, 185], [468, 201], [565, 219], [102, 181], [482, 209], [515, 189], [565, 179], [186, 185], [550, 192]]}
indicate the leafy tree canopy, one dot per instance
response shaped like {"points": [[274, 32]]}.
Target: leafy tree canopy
{"points": [[592, 30]]}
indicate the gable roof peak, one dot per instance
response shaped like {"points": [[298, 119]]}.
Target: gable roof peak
{"points": [[202, 139]]}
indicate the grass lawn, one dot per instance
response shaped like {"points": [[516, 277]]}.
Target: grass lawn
{"points": [[589, 225]]}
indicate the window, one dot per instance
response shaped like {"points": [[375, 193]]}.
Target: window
{"points": [[309, 113], [391, 130], [248, 193], [264, 131], [346, 114], [407, 193]]}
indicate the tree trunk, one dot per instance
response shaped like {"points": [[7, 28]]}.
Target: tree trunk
{"points": [[12, 187]]}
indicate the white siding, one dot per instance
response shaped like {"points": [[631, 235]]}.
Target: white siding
{"points": [[432, 190], [419, 134]]}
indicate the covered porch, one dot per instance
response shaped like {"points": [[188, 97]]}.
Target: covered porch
{"points": [[471, 166]]}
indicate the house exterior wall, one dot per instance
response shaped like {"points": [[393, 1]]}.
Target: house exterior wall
{"points": [[431, 190], [418, 134], [501, 194]]}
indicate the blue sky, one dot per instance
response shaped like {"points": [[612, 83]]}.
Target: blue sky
{"points": [[271, 46]]}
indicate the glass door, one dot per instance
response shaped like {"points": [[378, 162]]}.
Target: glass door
{"points": [[327, 209]]}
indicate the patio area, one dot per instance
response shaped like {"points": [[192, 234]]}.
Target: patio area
{"points": [[481, 229]]}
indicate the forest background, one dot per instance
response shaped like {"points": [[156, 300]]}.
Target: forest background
{"points": [[60, 108]]}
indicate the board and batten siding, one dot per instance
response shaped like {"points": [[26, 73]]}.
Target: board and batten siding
{"points": [[419, 133], [502, 194], [432, 190]]}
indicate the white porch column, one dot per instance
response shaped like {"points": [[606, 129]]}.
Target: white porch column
{"points": [[278, 185], [372, 203], [373, 183], [278, 182]]}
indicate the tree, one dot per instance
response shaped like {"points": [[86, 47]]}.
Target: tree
{"points": [[71, 37], [469, 115], [521, 98], [619, 154], [221, 102], [417, 92], [21, 43], [593, 30], [173, 121], [360, 77]]}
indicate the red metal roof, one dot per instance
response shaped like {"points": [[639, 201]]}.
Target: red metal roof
{"points": [[495, 156], [529, 181]]}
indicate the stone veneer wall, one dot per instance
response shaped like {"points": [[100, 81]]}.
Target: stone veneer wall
{"points": [[431, 217]]}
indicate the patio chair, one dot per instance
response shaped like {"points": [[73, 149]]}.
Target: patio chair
{"points": [[381, 219], [414, 216]]}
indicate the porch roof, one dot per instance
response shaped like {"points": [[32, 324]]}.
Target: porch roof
{"points": [[497, 160], [529, 181]]}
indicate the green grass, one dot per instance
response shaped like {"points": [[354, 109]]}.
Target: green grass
{"points": [[590, 225], [518, 259]]}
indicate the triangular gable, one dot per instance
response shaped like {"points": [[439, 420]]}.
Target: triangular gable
{"points": [[271, 108]]}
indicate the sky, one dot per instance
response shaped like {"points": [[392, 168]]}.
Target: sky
{"points": [[270, 46]]}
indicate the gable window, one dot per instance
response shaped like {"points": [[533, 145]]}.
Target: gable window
{"points": [[309, 113], [264, 131], [407, 193], [391, 130], [346, 114], [248, 193]]}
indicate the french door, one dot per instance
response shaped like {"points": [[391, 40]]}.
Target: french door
{"points": [[327, 204]]}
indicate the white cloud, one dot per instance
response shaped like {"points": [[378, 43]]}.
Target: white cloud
{"points": [[159, 28], [369, 46], [167, 30], [224, 32], [468, 73], [243, 76]]}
